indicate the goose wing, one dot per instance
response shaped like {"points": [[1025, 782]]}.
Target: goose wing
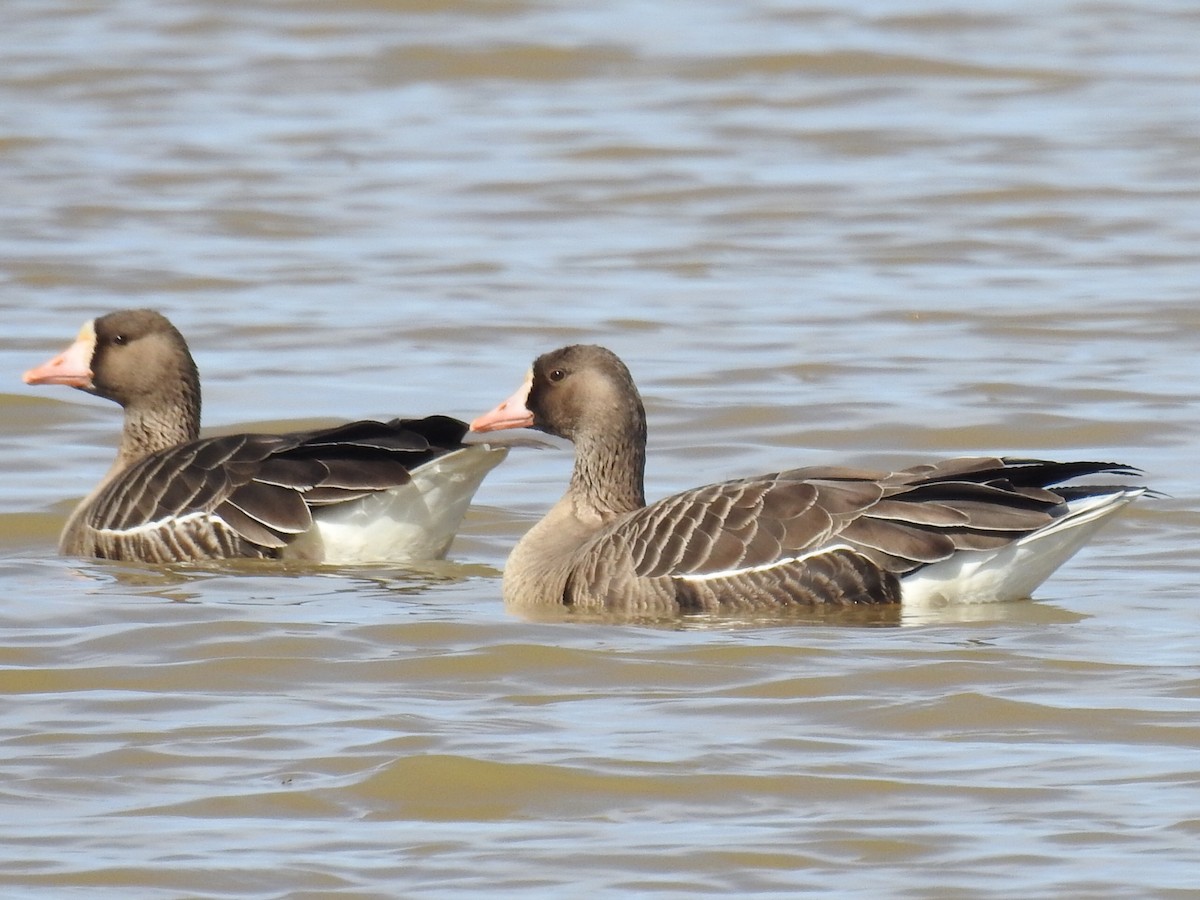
{"points": [[823, 534], [250, 494]]}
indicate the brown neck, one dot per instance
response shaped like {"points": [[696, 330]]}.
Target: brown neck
{"points": [[167, 422], [609, 475]]}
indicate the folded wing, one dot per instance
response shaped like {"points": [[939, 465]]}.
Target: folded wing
{"points": [[822, 534], [252, 494]]}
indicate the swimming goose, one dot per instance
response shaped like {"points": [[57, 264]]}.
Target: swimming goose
{"points": [[961, 530], [360, 492]]}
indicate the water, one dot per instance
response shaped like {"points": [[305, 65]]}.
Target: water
{"points": [[866, 233]]}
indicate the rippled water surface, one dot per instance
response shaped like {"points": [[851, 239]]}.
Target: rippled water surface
{"points": [[866, 232]]}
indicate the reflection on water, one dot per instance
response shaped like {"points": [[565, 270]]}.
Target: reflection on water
{"points": [[836, 617], [818, 234]]}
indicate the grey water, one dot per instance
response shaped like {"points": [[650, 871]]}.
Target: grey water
{"points": [[867, 232]]}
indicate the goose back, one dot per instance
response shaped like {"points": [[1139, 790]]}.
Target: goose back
{"points": [[265, 496], [817, 536]]}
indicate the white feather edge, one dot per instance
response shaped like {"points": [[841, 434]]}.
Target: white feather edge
{"points": [[765, 567]]}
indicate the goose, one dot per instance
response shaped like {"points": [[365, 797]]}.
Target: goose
{"points": [[968, 530], [359, 492]]}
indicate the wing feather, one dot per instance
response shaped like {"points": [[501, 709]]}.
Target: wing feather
{"points": [[819, 534], [248, 527], [251, 494]]}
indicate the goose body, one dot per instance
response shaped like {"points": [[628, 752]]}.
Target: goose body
{"points": [[361, 492], [967, 530]]}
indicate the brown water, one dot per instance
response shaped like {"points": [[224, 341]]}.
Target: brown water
{"points": [[868, 233]]}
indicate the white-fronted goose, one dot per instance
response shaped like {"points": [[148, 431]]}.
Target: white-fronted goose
{"points": [[361, 492], [961, 530]]}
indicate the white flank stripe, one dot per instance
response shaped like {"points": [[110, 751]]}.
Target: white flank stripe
{"points": [[766, 567], [160, 524]]}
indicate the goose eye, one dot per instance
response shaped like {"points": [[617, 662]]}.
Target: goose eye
{"points": [[120, 339], [557, 375]]}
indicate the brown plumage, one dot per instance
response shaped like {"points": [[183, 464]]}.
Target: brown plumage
{"points": [[819, 535], [172, 496]]}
